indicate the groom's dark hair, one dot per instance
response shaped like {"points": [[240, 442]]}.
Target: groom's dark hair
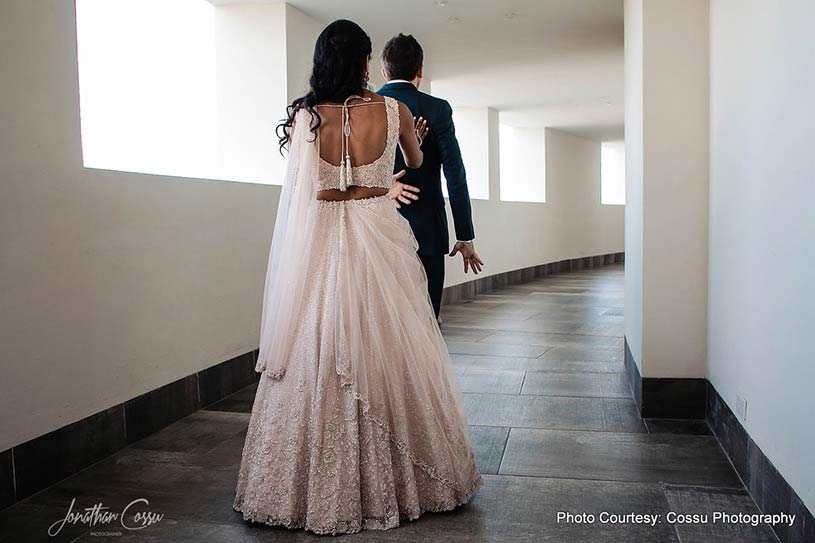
{"points": [[402, 57]]}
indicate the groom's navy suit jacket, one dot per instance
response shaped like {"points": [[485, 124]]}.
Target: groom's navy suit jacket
{"points": [[427, 215]]}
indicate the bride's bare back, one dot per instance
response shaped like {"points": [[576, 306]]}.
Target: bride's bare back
{"points": [[369, 132], [369, 144]]}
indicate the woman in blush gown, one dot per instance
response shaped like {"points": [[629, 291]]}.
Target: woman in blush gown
{"points": [[358, 420]]}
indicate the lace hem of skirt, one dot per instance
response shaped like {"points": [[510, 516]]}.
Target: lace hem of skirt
{"points": [[347, 384], [402, 446], [356, 525]]}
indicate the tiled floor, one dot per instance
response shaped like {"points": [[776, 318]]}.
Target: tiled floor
{"points": [[552, 422]]}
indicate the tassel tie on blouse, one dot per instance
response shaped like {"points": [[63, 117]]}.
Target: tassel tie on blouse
{"points": [[346, 170]]}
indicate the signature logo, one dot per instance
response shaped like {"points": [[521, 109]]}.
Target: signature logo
{"points": [[134, 516]]}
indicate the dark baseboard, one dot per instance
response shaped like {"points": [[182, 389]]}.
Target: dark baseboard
{"points": [[39, 463], [673, 398], [469, 290], [698, 399], [665, 398], [771, 492]]}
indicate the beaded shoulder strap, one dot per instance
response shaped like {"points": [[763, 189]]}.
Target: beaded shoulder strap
{"points": [[392, 111]]}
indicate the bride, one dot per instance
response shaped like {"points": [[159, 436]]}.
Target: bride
{"points": [[358, 421]]}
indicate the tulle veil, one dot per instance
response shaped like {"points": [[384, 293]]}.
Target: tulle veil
{"points": [[289, 253]]}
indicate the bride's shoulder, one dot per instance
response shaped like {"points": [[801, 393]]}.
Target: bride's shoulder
{"points": [[374, 97]]}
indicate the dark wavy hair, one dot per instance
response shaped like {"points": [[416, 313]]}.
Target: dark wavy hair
{"points": [[339, 71]]}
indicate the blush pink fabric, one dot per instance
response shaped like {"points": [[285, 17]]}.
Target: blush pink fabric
{"points": [[358, 420]]}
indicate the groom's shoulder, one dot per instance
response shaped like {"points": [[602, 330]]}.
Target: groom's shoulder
{"points": [[439, 104]]}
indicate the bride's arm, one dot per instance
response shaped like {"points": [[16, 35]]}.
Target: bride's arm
{"points": [[408, 140]]}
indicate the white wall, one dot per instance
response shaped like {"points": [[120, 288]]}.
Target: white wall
{"points": [[762, 225], [301, 33], [633, 178], [675, 173], [134, 80], [117, 283], [472, 133], [523, 168], [612, 172], [667, 185], [572, 223], [113, 283], [252, 91]]}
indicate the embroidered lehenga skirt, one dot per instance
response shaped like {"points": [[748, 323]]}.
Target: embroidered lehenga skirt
{"points": [[365, 429]]}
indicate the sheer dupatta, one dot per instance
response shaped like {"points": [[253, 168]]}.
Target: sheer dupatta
{"points": [[289, 257]]}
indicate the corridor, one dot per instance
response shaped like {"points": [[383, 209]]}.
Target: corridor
{"points": [[553, 425]]}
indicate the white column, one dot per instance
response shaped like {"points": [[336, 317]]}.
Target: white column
{"points": [[667, 95], [494, 155], [250, 49], [263, 59]]}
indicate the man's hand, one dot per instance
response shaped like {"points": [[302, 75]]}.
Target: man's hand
{"points": [[468, 254], [400, 192]]}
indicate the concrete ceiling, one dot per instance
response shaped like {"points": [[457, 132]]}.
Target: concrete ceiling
{"points": [[556, 63]]}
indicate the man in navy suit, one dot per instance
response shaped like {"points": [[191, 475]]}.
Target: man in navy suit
{"points": [[402, 60]]}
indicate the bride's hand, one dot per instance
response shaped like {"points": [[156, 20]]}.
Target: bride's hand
{"points": [[400, 192], [420, 126]]}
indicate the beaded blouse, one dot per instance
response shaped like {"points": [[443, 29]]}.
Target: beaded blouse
{"points": [[376, 174]]}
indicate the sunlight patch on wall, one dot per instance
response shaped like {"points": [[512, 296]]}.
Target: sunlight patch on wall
{"points": [[472, 133], [523, 164], [612, 173], [182, 88], [147, 85]]}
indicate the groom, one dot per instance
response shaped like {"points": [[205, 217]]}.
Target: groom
{"points": [[402, 61]]}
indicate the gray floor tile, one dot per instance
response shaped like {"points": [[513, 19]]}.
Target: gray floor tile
{"points": [[201, 431], [518, 325], [30, 523], [502, 363], [496, 308], [180, 491], [708, 501], [616, 329], [455, 333], [574, 353], [554, 340], [560, 326], [604, 414], [516, 509], [489, 380], [525, 510], [240, 402], [598, 385], [618, 457], [495, 349], [488, 446], [510, 363], [478, 319], [171, 530], [583, 366]]}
